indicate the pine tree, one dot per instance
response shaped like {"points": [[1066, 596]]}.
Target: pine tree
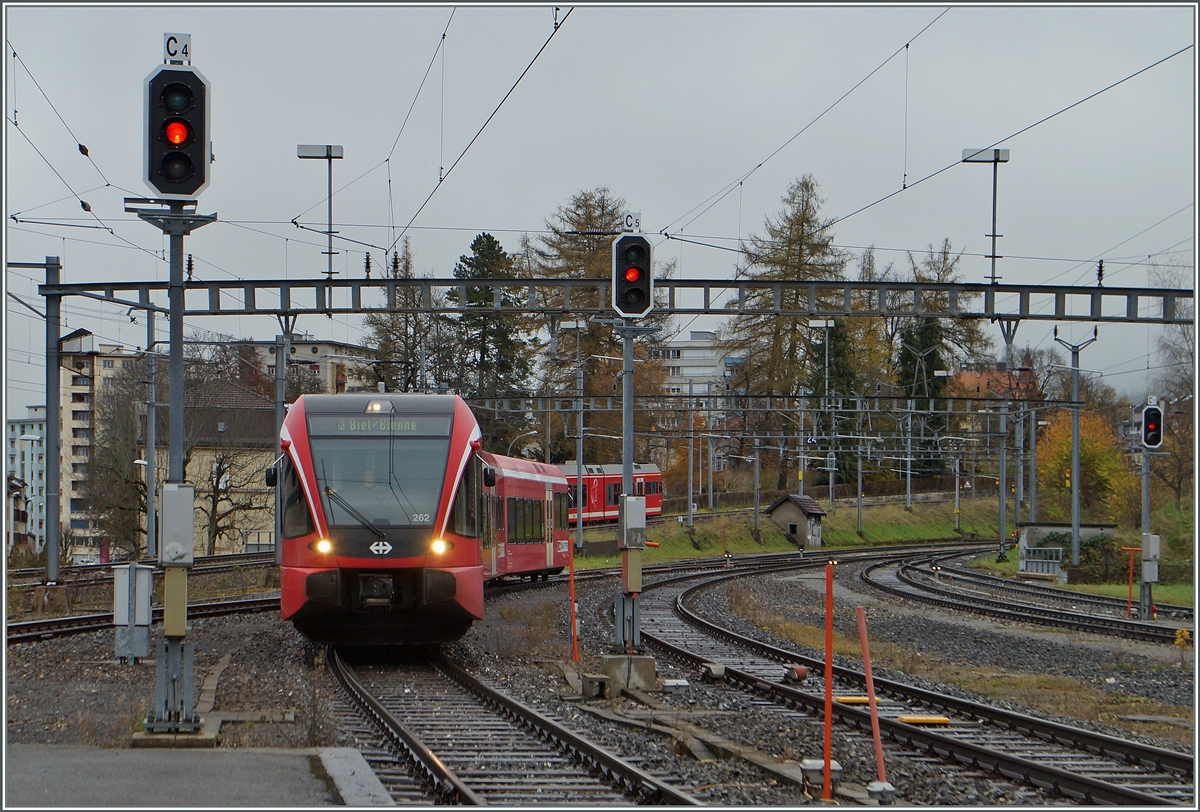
{"points": [[495, 356]]}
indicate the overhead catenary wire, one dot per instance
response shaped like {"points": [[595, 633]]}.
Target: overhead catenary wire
{"points": [[83, 150], [1014, 135], [725, 190], [467, 148]]}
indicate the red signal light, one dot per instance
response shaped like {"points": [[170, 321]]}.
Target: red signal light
{"points": [[176, 132], [633, 274]]}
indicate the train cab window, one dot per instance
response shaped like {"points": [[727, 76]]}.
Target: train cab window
{"points": [[296, 518], [466, 501]]}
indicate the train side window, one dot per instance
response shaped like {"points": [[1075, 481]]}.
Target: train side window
{"points": [[497, 514], [296, 518], [561, 501], [639, 488], [512, 521], [612, 493], [537, 508]]}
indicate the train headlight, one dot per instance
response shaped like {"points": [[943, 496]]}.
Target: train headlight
{"points": [[324, 546], [439, 546]]}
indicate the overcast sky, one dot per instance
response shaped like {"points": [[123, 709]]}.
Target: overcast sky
{"points": [[665, 106]]}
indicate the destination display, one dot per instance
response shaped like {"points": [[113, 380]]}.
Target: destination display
{"points": [[357, 425]]}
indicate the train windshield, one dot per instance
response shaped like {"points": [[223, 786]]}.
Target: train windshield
{"points": [[387, 476]]}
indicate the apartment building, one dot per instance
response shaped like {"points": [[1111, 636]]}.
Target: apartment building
{"points": [[340, 366]]}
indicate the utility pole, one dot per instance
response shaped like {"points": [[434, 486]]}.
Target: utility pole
{"points": [[1075, 472], [151, 440], [691, 445], [1001, 556]]}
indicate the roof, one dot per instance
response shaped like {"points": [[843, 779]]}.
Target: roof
{"points": [[807, 504], [222, 393]]}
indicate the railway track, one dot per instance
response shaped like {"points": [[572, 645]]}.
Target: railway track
{"points": [[463, 742], [1078, 764], [915, 579], [49, 628], [87, 575], [954, 573]]}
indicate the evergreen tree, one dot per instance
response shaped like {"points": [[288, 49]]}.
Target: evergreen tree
{"points": [[777, 352], [495, 358], [579, 245]]}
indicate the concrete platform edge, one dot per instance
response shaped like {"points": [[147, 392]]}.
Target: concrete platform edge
{"points": [[356, 782]]}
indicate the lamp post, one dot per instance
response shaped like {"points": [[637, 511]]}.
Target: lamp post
{"points": [[995, 157], [518, 437]]}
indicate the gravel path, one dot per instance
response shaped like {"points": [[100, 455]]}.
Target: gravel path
{"points": [[71, 691]]}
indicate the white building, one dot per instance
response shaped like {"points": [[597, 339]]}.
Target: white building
{"points": [[25, 463], [698, 361], [340, 366], [84, 366]]}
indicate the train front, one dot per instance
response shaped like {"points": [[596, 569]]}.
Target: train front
{"points": [[374, 551]]}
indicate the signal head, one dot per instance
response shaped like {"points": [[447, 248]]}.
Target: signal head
{"points": [[632, 282], [177, 138]]}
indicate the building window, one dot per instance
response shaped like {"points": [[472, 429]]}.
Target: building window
{"points": [[109, 363], [80, 380], [674, 372], [81, 450], [79, 524], [673, 353], [127, 364], [82, 416], [107, 381], [77, 506], [79, 468]]}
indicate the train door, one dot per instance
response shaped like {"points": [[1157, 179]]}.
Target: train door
{"points": [[548, 524]]}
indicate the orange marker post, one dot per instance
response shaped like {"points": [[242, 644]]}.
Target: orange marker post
{"points": [[866, 653], [826, 792], [574, 622], [1129, 600]]}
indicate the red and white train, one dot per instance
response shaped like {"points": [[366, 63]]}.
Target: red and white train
{"points": [[602, 490], [393, 518]]}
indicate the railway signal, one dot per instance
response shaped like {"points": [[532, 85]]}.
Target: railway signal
{"points": [[632, 282], [178, 149], [1152, 429]]}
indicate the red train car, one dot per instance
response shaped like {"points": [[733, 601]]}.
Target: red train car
{"points": [[524, 518], [380, 498], [602, 489]]}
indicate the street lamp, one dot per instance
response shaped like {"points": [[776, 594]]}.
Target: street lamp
{"points": [[995, 157], [518, 437]]}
